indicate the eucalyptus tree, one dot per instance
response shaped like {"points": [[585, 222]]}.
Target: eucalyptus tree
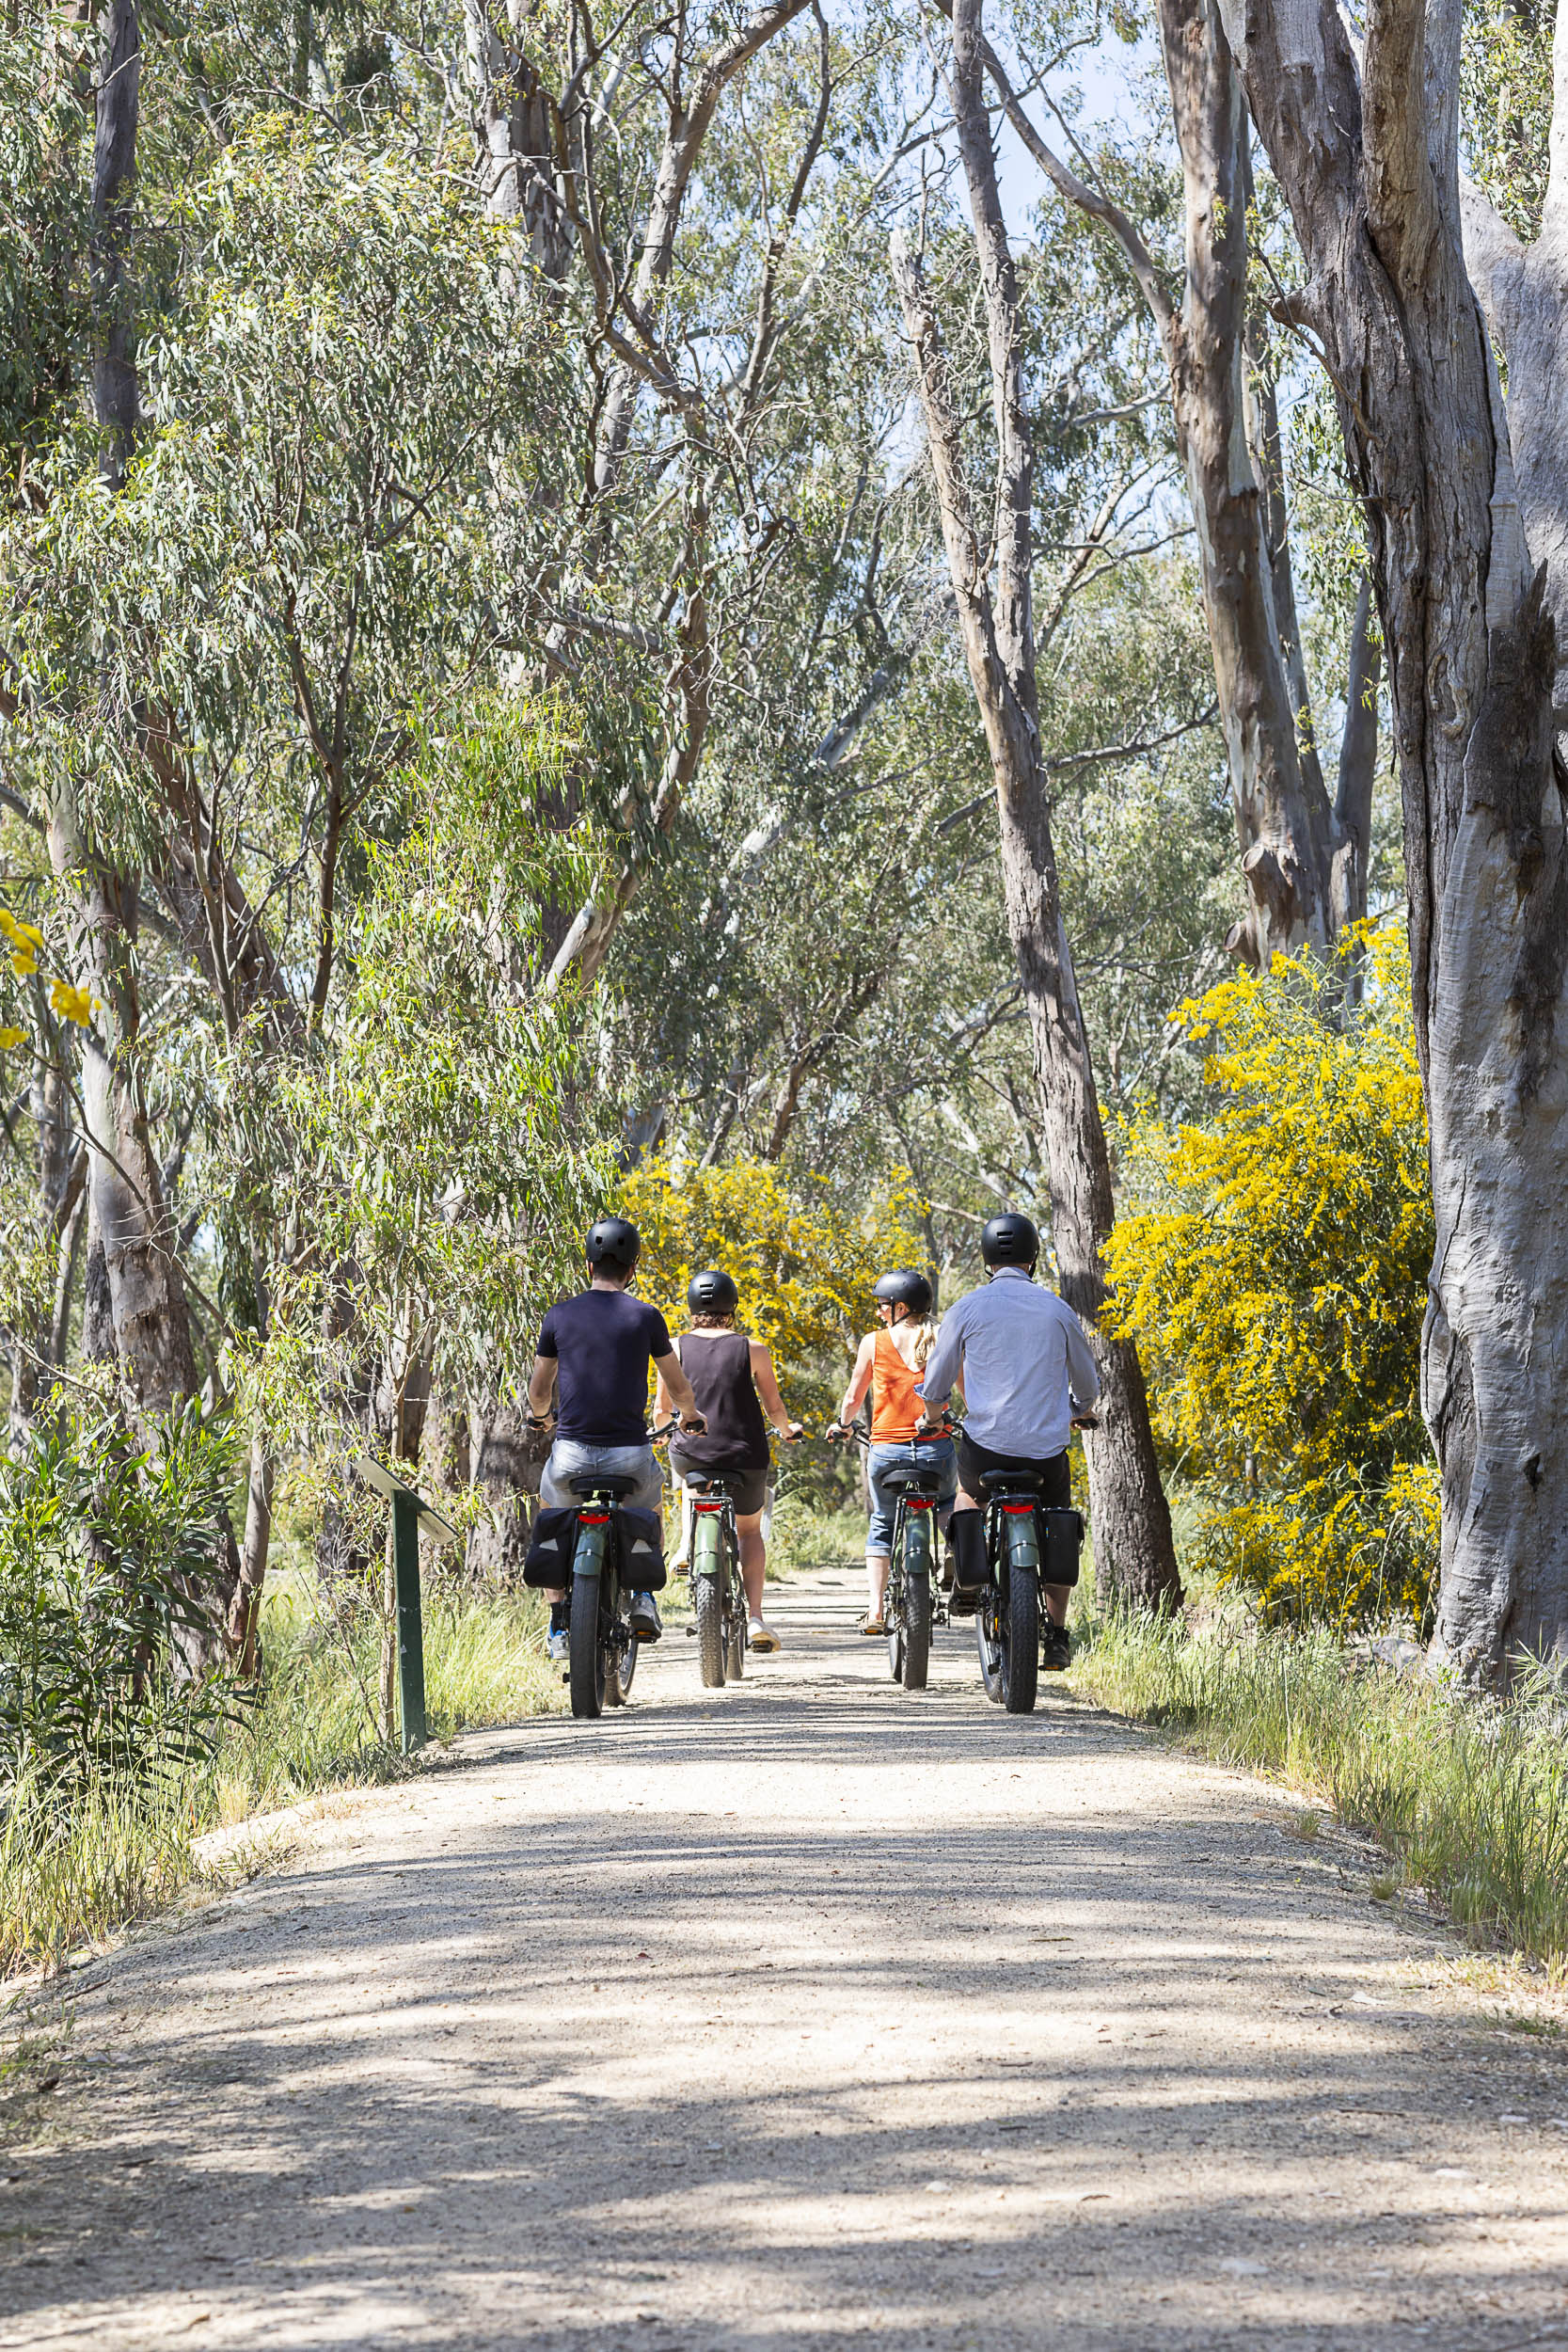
{"points": [[1134, 1545], [1407, 278]]}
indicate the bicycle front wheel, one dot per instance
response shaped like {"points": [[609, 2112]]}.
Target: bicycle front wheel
{"points": [[620, 1646], [988, 1640], [892, 1600]]}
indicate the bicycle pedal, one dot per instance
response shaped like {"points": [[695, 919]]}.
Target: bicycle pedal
{"points": [[567, 1675], [690, 1632]]}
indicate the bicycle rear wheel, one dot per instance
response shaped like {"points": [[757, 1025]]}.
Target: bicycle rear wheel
{"points": [[917, 1611], [1020, 1650], [585, 1649]]}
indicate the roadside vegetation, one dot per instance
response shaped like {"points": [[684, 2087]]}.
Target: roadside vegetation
{"points": [[123, 1843], [1469, 1796]]}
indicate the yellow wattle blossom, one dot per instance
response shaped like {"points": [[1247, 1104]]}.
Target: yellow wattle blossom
{"points": [[27, 944], [73, 1004], [804, 1275], [11, 1037], [1273, 1272]]}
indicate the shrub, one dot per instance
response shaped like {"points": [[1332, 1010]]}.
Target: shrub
{"points": [[1272, 1269], [107, 1558]]}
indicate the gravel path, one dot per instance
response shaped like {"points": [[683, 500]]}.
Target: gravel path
{"points": [[799, 2015]]}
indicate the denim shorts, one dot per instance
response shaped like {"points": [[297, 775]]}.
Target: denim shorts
{"points": [[570, 1457], [933, 1453]]}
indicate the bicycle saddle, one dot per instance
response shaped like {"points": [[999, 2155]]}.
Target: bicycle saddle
{"points": [[715, 1482], [1011, 1481], [612, 1482], [914, 1482]]}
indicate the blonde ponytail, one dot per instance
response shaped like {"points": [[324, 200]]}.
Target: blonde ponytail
{"points": [[923, 1338]]}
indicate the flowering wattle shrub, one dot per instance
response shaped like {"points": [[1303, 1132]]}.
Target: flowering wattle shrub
{"points": [[1272, 1269]]}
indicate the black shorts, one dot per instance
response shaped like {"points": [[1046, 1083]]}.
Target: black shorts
{"points": [[749, 1486], [1056, 1472]]}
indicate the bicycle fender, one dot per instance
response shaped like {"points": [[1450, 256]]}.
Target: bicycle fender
{"points": [[588, 1559], [1023, 1543], [707, 1551]]}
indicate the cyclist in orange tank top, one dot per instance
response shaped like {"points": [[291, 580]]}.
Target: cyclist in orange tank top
{"points": [[891, 1360]]}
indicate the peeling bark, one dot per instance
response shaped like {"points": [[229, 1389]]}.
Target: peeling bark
{"points": [[1469, 568]]}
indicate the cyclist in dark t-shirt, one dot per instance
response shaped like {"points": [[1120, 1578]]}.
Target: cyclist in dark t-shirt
{"points": [[593, 1354]]}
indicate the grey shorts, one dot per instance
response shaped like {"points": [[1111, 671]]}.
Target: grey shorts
{"points": [[570, 1457]]}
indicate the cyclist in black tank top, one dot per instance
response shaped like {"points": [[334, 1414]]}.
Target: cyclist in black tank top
{"points": [[735, 1384]]}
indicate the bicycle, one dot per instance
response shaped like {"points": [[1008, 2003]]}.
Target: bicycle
{"points": [[601, 1654], [717, 1594], [910, 1608], [1008, 1617]]}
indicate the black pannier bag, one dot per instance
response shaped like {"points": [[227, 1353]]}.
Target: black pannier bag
{"points": [[551, 1546], [1061, 1541], [641, 1549]]}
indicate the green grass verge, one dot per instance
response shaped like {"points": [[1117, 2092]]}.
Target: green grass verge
{"points": [[120, 1852], [1470, 1798]]}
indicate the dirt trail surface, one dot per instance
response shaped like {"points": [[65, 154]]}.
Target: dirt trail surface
{"points": [[799, 2015]]}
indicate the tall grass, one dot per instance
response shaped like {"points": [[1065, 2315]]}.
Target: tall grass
{"points": [[1469, 1796], [122, 1849]]}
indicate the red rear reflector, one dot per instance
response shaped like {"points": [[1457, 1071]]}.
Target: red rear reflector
{"points": [[594, 1519], [919, 1502], [1018, 1510]]}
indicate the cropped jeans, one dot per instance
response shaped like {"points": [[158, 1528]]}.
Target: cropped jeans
{"points": [[927, 1453]]}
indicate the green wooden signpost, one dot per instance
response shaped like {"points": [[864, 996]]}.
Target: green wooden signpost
{"points": [[412, 1517]]}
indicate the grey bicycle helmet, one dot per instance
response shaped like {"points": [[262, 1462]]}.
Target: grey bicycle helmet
{"points": [[1011, 1239], [613, 1245], [904, 1287], [712, 1294]]}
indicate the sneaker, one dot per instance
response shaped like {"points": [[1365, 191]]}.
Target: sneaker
{"points": [[559, 1644], [1057, 1652], [872, 1625], [761, 1636], [644, 1614], [961, 1603]]}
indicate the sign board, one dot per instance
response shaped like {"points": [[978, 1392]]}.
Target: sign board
{"points": [[370, 1474]]}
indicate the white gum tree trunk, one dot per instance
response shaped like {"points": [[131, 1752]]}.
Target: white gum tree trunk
{"points": [[1134, 1547], [1469, 568]]}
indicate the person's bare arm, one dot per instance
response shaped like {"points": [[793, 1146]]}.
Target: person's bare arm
{"points": [[541, 1386], [674, 1384], [663, 1402], [767, 1383], [860, 1379]]}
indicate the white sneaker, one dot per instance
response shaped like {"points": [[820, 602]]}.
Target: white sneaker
{"points": [[760, 1636], [560, 1646]]}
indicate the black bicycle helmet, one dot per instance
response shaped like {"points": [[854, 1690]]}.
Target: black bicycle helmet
{"points": [[613, 1245], [903, 1287], [712, 1294], [1010, 1239]]}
